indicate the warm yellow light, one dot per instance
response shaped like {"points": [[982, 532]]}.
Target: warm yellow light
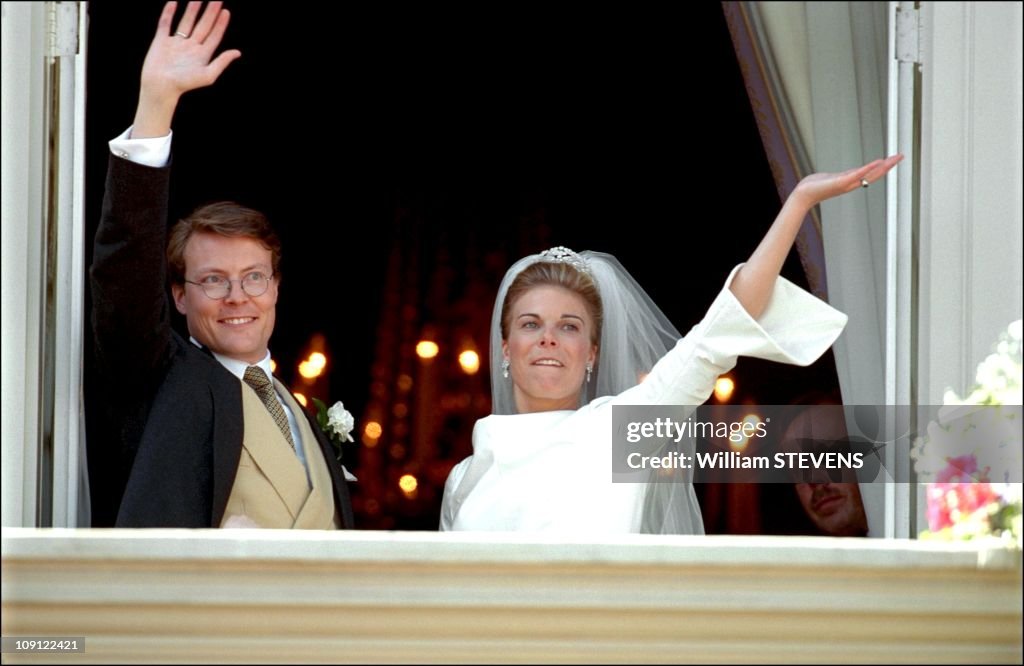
{"points": [[750, 423], [724, 388], [301, 399], [371, 433], [273, 366], [408, 484], [313, 366], [470, 361], [427, 349]]}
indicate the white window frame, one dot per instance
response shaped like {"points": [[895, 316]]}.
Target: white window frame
{"points": [[43, 257], [933, 342]]}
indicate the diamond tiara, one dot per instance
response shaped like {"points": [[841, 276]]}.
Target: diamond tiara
{"points": [[563, 255]]}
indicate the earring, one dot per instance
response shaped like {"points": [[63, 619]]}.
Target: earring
{"points": [[590, 371], [504, 368]]}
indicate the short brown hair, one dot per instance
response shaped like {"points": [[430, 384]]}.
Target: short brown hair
{"points": [[549, 274], [224, 218]]}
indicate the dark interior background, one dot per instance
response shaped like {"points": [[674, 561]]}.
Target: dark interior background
{"points": [[467, 140]]}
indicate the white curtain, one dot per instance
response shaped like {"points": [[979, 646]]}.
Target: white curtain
{"points": [[831, 61], [826, 70]]}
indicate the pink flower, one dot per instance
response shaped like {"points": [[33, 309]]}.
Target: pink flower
{"points": [[963, 469], [949, 503]]}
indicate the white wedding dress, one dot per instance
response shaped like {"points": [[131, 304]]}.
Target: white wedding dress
{"points": [[552, 471]]}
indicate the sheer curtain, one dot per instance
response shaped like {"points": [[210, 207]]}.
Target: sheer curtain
{"points": [[816, 75]]}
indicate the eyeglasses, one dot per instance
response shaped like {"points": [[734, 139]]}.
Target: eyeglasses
{"points": [[217, 286]]}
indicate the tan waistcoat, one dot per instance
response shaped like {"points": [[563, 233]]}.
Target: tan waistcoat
{"points": [[271, 487]]}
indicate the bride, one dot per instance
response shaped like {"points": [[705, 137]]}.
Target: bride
{"points": [[573, 334]]}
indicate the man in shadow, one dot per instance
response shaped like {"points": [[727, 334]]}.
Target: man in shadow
{"points": [[834, 505]]}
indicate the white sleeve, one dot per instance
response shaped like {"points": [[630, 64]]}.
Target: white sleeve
{"points": [[795, 328], [153, 152], [450, 486]]}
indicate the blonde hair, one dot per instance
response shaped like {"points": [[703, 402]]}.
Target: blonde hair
{"points": [[548, 274], [224, 218]]}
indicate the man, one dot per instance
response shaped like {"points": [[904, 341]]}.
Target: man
{"points": [[834, 507], [214, 441]]}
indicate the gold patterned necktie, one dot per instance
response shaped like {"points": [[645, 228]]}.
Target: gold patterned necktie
{"points": [[257, 379]]}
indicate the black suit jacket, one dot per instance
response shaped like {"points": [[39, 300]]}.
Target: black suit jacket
{"points": [[177, 411]]}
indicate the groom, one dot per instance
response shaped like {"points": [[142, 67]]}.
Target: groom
{"points": [[214, 440]]}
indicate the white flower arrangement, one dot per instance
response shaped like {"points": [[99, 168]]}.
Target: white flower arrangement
{"points": [[998, 378], [975, 441]]}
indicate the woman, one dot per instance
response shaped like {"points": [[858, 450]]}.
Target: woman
{"points": [[573, 334]]}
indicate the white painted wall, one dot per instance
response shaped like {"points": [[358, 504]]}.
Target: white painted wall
{"points": [[971, 274], [314, 596]]}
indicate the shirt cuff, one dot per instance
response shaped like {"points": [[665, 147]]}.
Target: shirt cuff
{"points": [[152, 152]]}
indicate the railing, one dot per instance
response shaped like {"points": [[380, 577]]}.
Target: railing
{"points": [[282, 596]]}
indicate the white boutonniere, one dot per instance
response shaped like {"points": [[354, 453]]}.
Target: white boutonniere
{"points": [[336, 422]]}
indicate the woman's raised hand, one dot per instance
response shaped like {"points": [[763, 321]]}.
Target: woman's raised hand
{"points": [[753, 284], [819, 187]]}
